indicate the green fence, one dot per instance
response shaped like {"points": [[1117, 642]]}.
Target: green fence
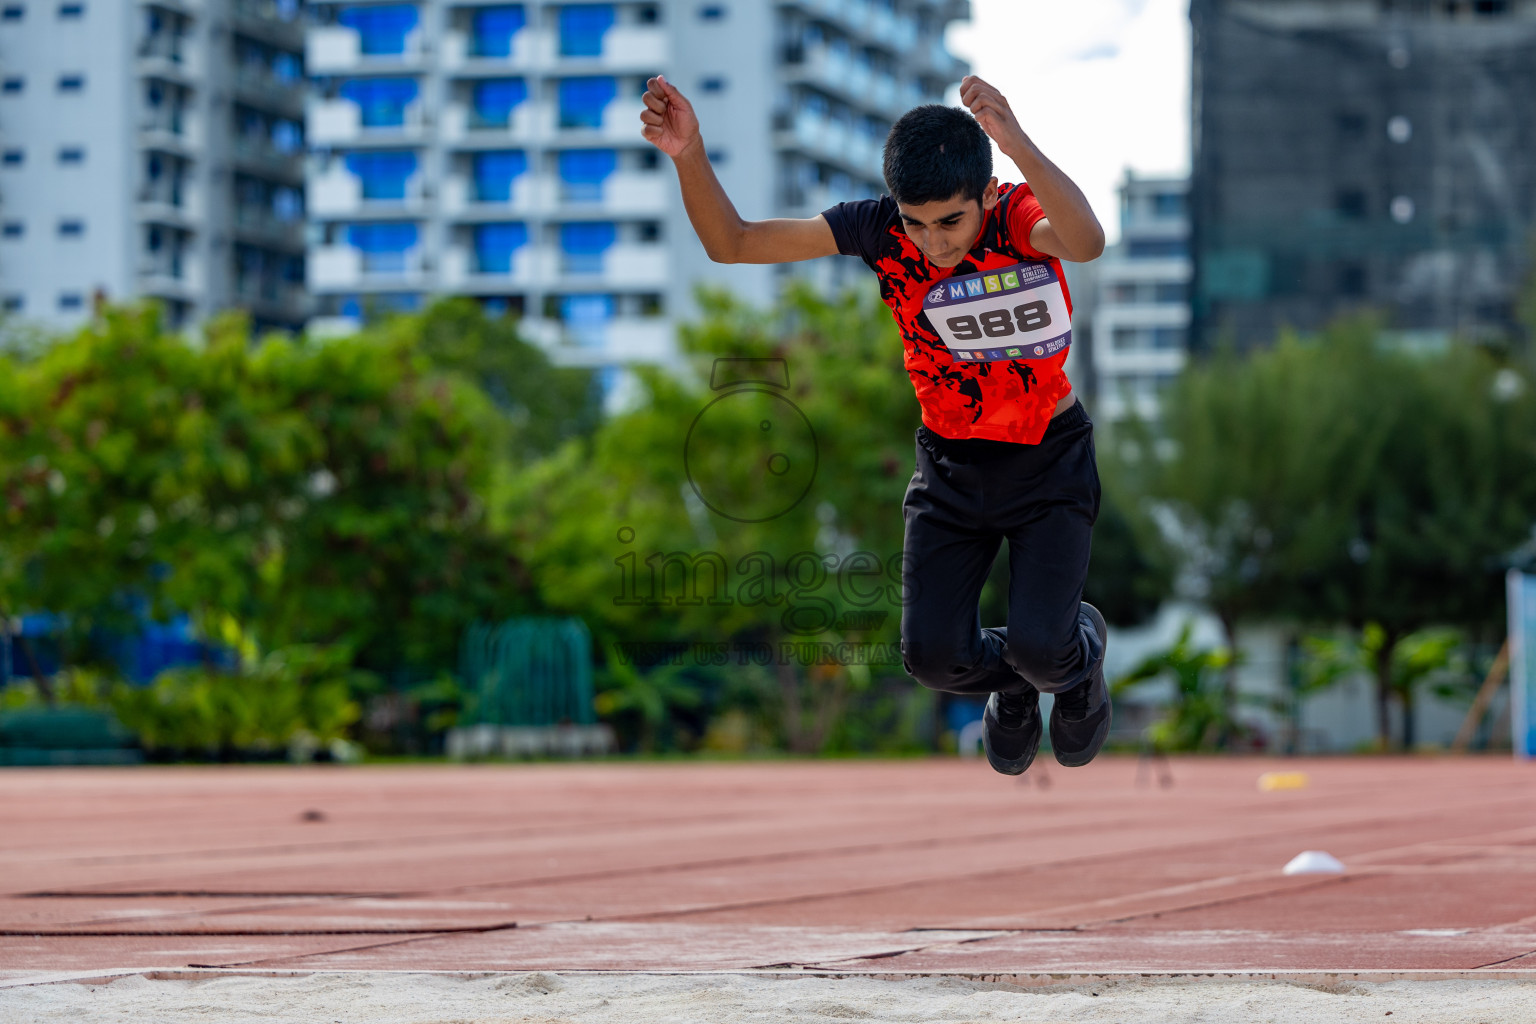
{"points": [[528, 672]]}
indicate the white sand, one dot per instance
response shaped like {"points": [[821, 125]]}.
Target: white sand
{"points": [[549, 998]]}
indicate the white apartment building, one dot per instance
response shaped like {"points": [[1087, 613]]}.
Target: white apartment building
{"points": [[493, 149], [1141, 319], [151, 148]]}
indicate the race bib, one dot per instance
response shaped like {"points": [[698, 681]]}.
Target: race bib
{"points": [[1018, 312]]}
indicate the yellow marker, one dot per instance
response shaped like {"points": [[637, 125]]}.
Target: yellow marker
{"points": [[1271, 781]]}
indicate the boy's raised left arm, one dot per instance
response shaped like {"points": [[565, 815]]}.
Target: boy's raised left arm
{"points": [[1070, 231]]}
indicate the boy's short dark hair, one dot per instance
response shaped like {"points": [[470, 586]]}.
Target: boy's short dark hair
{"points": [[934, 152]]}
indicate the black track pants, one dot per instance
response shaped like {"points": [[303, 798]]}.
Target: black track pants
{"points": [[960, 505]]}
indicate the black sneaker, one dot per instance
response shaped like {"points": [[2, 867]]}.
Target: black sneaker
{"points": [[1080, 716], [1011, 729]]}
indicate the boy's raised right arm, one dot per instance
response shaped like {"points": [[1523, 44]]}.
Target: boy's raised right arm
{"points": [[672, 127]]}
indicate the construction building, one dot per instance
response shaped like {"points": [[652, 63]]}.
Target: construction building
{"points": [[1355, 154]]}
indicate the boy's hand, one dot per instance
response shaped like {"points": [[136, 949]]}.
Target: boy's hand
{"points": [[991, 111], [670, 123]]}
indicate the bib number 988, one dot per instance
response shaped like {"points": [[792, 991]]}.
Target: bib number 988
{"points": [[997, 323]]}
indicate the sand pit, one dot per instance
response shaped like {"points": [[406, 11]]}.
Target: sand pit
{"points": [[597, 998]]}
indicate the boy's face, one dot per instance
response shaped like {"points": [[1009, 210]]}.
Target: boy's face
{"points": [[945, 228]]}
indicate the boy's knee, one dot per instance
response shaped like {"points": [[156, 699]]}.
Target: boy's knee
{"points": [[1054, 664], [932, 665], [1050, 665]]}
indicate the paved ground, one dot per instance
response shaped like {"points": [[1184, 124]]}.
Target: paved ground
{"points": [[879, 867]]}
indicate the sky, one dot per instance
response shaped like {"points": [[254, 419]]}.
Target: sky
{"points": [[1099, 85]]}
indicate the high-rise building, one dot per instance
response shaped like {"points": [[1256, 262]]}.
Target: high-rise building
{"points": [[152, 149], [494, 150], [1362, 153], [1141, 316]]}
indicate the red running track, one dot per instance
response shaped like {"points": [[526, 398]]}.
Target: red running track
{"points": [[932, 865]]}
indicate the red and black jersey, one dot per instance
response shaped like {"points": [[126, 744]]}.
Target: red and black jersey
{"points": [[1003, 400]]}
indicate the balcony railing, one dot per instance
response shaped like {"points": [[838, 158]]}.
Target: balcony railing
{"points": [[258, 82], [261, 221], [162, 46], [169, 122]]}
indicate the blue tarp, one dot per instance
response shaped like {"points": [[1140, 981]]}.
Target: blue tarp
{"points": [[496, 98], [383, 173], [382, 28], [382, 101], [155, 647], [495, 244], [582, 27], [494, 173], [494, 28], [582, 100]]}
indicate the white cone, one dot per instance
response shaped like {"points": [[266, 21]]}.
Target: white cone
{"points": [[1314, 862]]}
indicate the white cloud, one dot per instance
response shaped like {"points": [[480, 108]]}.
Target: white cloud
{"points": [[1099, 85]]}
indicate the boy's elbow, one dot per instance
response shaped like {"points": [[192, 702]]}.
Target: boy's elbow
{"points": [[1094, 247], [723, 250]]}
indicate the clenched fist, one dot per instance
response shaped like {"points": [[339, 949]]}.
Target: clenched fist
{"points": [[670, 123]]}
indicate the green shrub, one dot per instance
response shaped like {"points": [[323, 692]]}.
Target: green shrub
{"points": [[296, 696]]}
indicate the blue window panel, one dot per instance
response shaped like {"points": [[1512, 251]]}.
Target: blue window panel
{"points": [[495, 172], [587, 166], [404, 302], [576, 309], [587, 317], [590, 238], [393, 302], [495, 244], [383, 174], [583, 171], [386, 237], [381, 29], [382, 101], [286, 136], [582, 101], [583, 245], [494, 28], [496, 98], [582, 27], [288, 204]]}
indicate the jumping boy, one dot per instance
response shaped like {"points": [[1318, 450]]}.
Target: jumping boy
{"points": [[971, 270]]}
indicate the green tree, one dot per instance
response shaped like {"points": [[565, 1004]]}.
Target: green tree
{"points": [[1340, 479], [1201, 714], [316, 492], [544, 404], [1431, 657], [677, 482]]}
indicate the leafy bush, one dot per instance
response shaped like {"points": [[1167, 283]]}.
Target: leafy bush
{"points": [[296, 696], [1201, 715]]}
